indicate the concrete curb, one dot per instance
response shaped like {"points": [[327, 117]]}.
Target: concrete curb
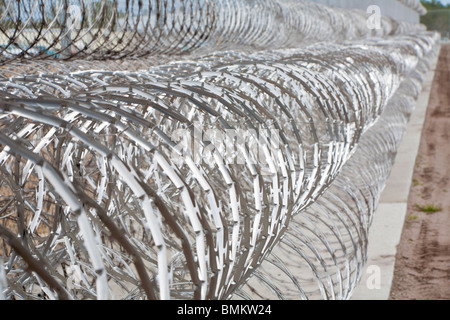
{"points": [[387, 224]]}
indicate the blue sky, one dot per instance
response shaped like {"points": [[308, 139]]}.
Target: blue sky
{"points": [[444, 2]]}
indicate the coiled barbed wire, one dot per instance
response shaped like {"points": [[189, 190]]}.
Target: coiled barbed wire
{"points": [[324, 249], [180, 180], [103, 29], [415, 5], [99, 148]]}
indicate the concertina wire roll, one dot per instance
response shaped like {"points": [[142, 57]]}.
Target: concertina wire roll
{"points": [[177, 168]]}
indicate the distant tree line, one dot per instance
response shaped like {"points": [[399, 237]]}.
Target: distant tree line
{"points": [[437, 18]]}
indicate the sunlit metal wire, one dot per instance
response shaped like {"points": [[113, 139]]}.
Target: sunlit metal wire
{"points": [[183, 179], [105, 29], [324, 249]]}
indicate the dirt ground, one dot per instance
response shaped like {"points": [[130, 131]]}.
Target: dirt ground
{"points": [[422, 269]]}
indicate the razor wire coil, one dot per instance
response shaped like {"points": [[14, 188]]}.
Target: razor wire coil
{"points": [[186, 179], [107, 29]]}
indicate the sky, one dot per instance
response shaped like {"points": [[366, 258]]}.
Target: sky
{"points": [[444, 2]]}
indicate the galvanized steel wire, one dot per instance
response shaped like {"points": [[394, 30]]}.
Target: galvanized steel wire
{"points": [[107, 29], [186, 179], [324, 249]]}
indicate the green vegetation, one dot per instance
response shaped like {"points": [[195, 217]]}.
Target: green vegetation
{"points": [[428, 208], [437, 18]]}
